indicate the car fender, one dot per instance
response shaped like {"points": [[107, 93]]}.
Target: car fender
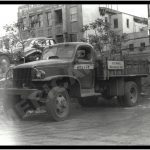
{"points": [[31, 52]]}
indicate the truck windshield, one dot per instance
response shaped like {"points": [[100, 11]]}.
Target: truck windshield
{"points": [[62, 51]]}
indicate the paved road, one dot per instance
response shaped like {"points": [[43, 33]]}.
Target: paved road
{"points": [[107, 124]]}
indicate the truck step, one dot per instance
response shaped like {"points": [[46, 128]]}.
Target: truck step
{"points": [[89, 93]]}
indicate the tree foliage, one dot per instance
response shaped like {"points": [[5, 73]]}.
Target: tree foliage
{"points": [[14, 35], [102, 35]]}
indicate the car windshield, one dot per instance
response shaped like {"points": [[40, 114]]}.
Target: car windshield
{"points": [[40, 42], [26, 43], [52, 42], [62, 51]]}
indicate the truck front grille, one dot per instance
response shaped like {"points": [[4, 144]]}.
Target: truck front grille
{"points": [[22, 77]]}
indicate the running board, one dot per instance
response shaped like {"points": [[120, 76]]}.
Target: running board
{"points": [[89, 93]]}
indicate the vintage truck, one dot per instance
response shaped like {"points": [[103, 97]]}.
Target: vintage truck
{"points": [[68, 71]]}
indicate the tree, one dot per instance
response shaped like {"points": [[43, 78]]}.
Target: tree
{"points": [[84, 30], [104, 36], [6, 42], [15, 31], [14, 35]]}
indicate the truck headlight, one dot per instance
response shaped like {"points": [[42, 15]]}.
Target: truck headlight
{"points": [[38, 74]]}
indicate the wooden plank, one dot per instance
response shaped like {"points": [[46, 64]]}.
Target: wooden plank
{"points": [[131, 68]]}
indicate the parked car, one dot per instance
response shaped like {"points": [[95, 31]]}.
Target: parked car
{"points": [[33, 48]]}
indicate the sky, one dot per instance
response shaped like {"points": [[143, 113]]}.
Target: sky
{"points": [[8, 13], [133, 9]]}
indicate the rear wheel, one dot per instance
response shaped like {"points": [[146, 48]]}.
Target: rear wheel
{"points": [[58, 103], [131, 95]]}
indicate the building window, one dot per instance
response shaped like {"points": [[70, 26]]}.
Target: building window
{"points": [[49, 19], [102, 11], [142, 46], [73, 14], [59, 38], [73, 37], [24, 23], [1, 44], [115, 23], [40, 20], [40, 32], [58, 16], [127, 23], [131, 47], [106, 19], [32, 21]]}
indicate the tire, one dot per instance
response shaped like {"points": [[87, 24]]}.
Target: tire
{"points": [[131, 95], [58, 103], [4, 62], [88, 102]]}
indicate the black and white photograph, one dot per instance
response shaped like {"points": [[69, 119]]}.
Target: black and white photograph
{"points": [[75, 74]]}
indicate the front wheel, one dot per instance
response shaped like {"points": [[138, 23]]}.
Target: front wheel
{"points": [[58, 103], [131, 95]]}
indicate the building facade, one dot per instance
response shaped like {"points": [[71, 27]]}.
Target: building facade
{"points": [[64, 22], [61, 22], [137, 39]]}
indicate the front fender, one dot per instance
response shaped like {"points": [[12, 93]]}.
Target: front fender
{"points": [[73, 86], [55, 77]]}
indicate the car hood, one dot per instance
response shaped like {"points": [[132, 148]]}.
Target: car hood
{"points": [[42, 63], [21, 49]]}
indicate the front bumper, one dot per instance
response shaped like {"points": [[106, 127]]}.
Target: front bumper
{"points": [[15, 91]]}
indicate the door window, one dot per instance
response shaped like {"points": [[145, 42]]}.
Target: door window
{"points": [[84, 54]]}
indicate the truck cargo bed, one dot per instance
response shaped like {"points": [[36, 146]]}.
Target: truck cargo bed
{"points": [[127, 67]]}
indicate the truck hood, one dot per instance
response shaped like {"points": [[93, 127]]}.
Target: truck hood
{"points": [[42, 63]]}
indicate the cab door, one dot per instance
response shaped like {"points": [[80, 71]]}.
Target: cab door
{"points": [[84, 66]]}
